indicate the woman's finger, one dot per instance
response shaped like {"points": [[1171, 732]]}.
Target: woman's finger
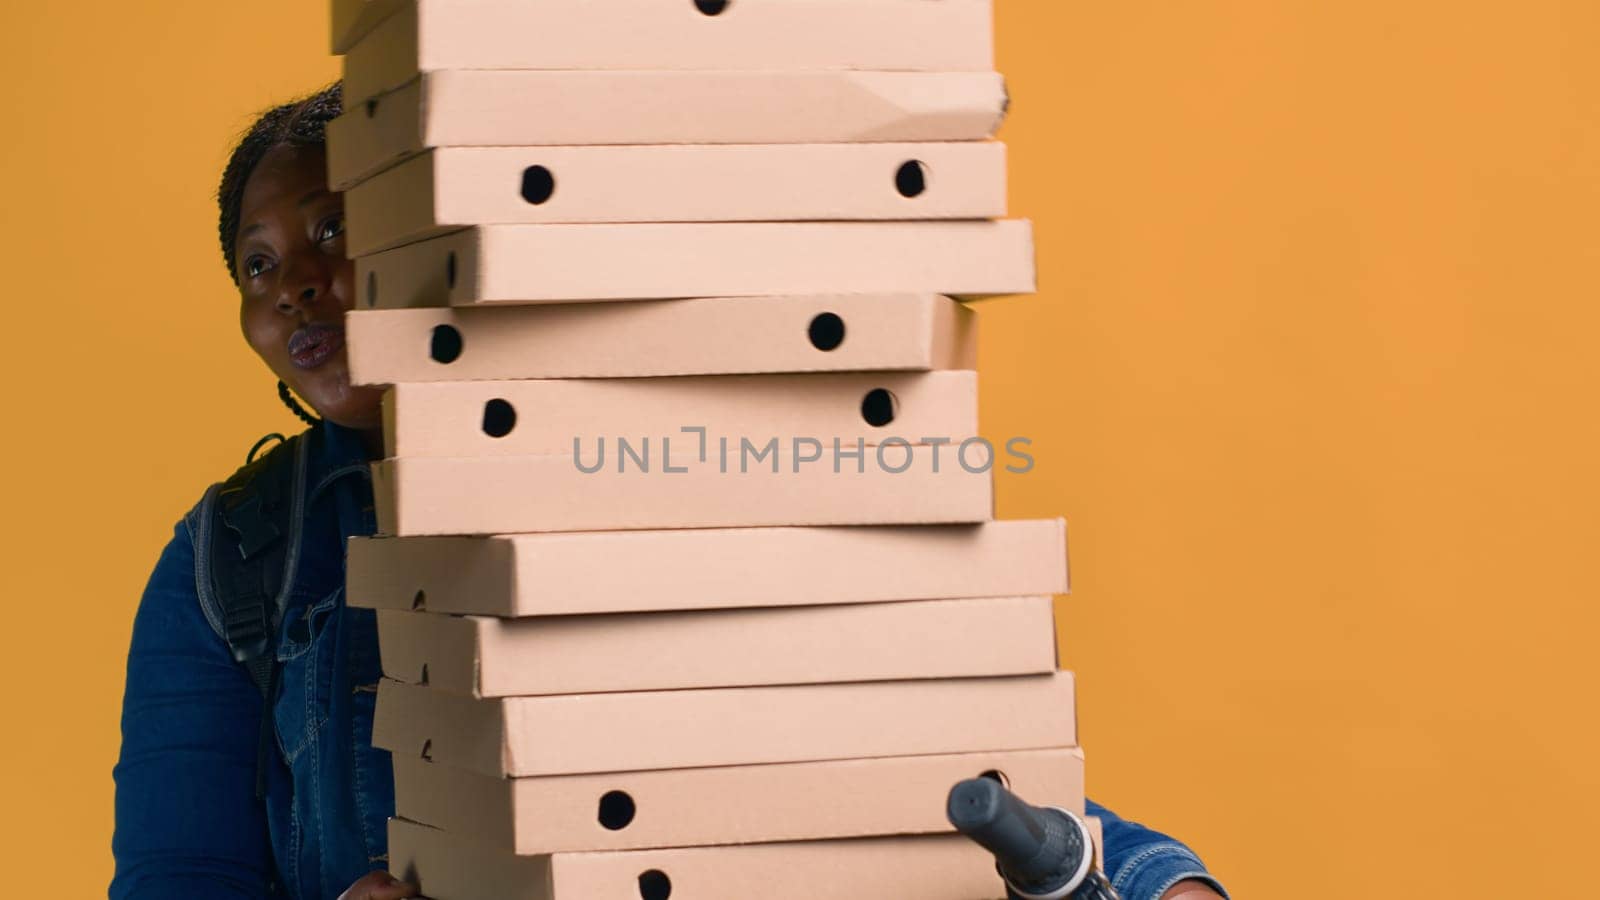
{"points": [[379, 886], [395, 890]]}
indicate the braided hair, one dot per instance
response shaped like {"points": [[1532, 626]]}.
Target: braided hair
{"points": [[302, 122]]}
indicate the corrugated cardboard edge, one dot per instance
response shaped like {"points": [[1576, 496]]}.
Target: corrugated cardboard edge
{"points": [[444, 864], [925, 867], [401, 124], [499, 737], [358, 149], [404, 201], [1066, 559], [444, 189], [386, 56], [478, 729], [1097, 833], [410, 644], [508, 575], [525, 565], [520, 814], [390, 345], [414, 276], [1065, 585], [546, 414], [938, 867], [383, 54], [481, 566], [547, 493], [483, 656], [351, 20], [487, 803], [386, 409], [955, 335], [1029, 250], [389, 513], [998, 260]]}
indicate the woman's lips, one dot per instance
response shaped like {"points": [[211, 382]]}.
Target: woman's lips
{"points": [[314, 344]]}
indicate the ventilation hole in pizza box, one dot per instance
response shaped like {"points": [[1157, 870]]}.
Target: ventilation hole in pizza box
{"points": [[420, 601], [499, 417], [712, 7], [446, 344], [450, 271], [879, 407], [616, 810], [655, 885], [427, 750], [826, 331], [424, 678], [372, 288], [372, 108], [997, 775], [538, 185], [911, 179]]}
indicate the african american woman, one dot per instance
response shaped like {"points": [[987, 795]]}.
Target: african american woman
{"points": [[227, 790]]}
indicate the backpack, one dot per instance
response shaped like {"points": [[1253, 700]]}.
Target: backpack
{"points": [[246, 550]]}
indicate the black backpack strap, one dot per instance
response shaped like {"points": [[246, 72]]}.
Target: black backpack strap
{"points": [[248, 552], [254, 539]]}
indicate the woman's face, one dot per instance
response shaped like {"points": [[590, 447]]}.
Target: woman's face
{"points": [[295, 283]]}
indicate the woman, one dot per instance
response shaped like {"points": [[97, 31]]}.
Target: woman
{"points": [[218, 793]]}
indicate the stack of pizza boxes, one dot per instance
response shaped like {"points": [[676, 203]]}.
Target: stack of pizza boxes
{"points": [[687, 583]]}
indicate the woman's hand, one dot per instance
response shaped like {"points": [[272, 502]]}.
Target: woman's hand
{"points": [[379, 886], [1183, 890]]}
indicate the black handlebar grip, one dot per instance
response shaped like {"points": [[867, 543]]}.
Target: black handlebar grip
{"points": [[1041, 853], [1027, 842]]}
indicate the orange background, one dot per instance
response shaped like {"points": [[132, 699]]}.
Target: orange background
{"points": [[1312, 376]]}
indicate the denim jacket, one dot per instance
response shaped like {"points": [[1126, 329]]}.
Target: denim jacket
{"points": [[188, 821]]}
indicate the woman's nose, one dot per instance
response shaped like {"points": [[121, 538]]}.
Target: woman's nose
{"points": [[305, 290]]}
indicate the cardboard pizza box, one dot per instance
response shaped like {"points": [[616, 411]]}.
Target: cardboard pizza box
{"points": [[714, 568], [589, 733], [454, 187], [1097, 833], [720, 805], [354, 19], [925, 867], [765, 36], [506, 108], [514, 264], [917, 639], [739, 483], [508, 418], [651, 338]]}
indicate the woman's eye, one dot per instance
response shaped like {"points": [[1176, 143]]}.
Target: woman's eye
{"points": [[255, 266], [330, 229]]}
